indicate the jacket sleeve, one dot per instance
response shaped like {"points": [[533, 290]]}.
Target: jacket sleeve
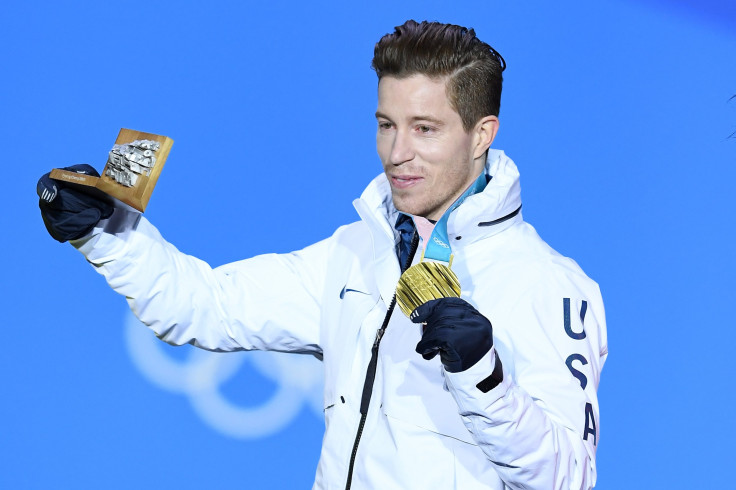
{"points": [[540, 426], [266, 302]]}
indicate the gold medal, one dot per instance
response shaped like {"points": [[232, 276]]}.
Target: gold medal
{"points": [[423, 282]]}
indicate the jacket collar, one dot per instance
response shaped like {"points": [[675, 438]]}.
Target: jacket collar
{"points": [[479, 215]]}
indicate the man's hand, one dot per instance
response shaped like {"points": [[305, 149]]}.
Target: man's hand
{"points": [[455, 330], [69, 213]]}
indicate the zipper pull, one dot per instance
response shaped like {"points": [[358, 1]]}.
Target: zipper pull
{"points": [[379, 335]]}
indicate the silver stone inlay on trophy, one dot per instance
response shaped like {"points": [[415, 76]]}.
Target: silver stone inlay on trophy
{"points": [[126, 162]]}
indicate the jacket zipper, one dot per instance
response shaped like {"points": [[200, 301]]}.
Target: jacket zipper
{"points": [[370, 375]]}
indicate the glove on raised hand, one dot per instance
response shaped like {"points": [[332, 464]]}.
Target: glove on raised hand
{"points": [[69, 213], [455, 330]]}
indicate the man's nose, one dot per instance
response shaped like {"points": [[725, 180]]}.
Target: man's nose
{"points": [[402, 150]]}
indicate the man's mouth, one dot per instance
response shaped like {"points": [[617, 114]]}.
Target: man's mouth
{"points": [[404, 181]]}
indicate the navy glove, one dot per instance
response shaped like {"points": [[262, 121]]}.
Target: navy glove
{"points": [[455, 330], [69, 213]]}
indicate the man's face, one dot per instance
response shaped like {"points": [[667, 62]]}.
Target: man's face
{"points": [[428, 157]]}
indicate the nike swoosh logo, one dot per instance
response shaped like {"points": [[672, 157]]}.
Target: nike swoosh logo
{"points": [[346, 289]]}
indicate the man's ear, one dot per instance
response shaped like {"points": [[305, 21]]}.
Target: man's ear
{"points": [[485, 132]]}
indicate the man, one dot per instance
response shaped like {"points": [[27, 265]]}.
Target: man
{"points": [[509, 402]]}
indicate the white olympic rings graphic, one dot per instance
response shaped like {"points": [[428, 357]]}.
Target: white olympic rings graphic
{"points": [[299, 381]]}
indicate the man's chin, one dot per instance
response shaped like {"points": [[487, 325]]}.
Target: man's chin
{"points": [[408, 208], [402, 207]]}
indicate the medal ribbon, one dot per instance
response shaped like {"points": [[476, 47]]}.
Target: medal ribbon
{"points": [[438, 245]]}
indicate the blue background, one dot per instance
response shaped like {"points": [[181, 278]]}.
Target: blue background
{"points": [[617, 113]]}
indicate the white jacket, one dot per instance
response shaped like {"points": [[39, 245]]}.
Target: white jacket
{"points": [[425, 428]]}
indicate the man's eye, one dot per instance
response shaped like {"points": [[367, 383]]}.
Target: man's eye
{"points": [[384, 125], [425, 129]]}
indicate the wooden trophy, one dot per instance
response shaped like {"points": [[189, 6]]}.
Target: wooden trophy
{"points": [[131, 172]]}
